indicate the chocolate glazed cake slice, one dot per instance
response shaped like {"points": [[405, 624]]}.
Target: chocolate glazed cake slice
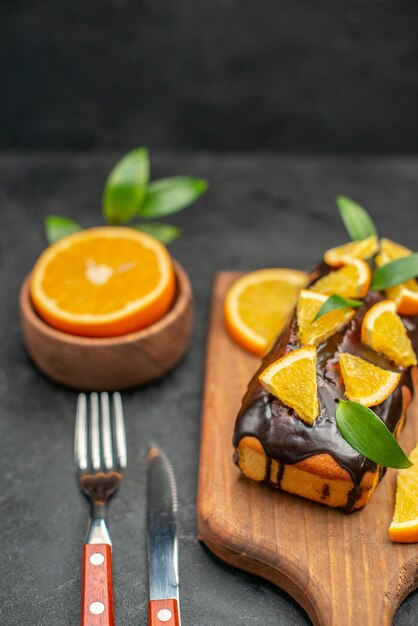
{"points": [[314, 461]]}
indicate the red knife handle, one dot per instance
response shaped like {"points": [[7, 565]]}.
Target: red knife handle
{"points": [[96, 586], [163, 613]]}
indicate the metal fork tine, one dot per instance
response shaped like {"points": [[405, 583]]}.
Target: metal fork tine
{"points": [[120, 435], [94, 431], [80, 438], [106, 431]]}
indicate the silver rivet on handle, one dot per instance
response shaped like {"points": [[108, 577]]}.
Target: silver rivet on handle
{"points": [[164, 615], [97, 608], [97, 558]]}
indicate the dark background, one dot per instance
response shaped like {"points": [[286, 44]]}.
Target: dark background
{"points": [[43, 515], [288, 75], [187, 79]]}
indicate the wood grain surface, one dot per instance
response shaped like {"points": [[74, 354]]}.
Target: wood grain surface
{"points": [[163, 612], [342, 569], [96, 586]]}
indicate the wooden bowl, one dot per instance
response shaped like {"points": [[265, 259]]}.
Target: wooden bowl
{"points": [[95, 364]]}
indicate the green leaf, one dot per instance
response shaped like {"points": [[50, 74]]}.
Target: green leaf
{"points": [[336, 302], [366, 433], [166, 233], [357, 221], [395, 272], [170, 195], [57, 227], [126, 187]]}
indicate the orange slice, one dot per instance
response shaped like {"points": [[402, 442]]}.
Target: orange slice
{"points": [[103, 282], [363, 249], [351, 281], [405, 296], [314, 333], [383, 330], [404, 526], [292, 379], [390, 250], [364, 382], [258, 305]]}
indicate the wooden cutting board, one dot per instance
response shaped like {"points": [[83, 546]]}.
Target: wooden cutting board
{"points": [[342, 569]]}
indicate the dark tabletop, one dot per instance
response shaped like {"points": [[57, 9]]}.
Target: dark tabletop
{"points": [[260, 211]]}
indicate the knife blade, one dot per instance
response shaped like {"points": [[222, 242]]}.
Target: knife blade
{"points": [[163, 606]]}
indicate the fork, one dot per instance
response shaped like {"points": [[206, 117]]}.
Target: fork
{"points": [[99, 472]]}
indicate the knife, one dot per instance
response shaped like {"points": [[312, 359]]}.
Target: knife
{"points": [[163, 606]]}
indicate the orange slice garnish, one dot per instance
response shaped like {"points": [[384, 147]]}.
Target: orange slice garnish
{"points": [[404, 526], [103, 282], [364, 382], [351, 281], [314, 333], [405, 295], [363, 249], [292, 379], [383, 330], [258, 305], [389, 251]]}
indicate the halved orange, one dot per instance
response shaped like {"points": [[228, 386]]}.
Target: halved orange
{"points": [[258, 305], [364, 382], [363, 249], [404, 526], [103, 282], [314, 333], [405, 295], [383, 330], [351, 281], [292, 379]]}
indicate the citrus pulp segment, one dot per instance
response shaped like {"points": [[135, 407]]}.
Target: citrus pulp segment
{"points": [[292, 379], [315, 332], [405, 295], [258, 305], [383, 331], [351, 281], [404, 526], [364, 382], [362, 249]]}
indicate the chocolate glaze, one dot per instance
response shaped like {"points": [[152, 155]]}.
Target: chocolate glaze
{"points": [[287, 438]]}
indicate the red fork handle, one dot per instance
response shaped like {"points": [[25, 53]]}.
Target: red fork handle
{"points": [[163, 613], [96, 586]]}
